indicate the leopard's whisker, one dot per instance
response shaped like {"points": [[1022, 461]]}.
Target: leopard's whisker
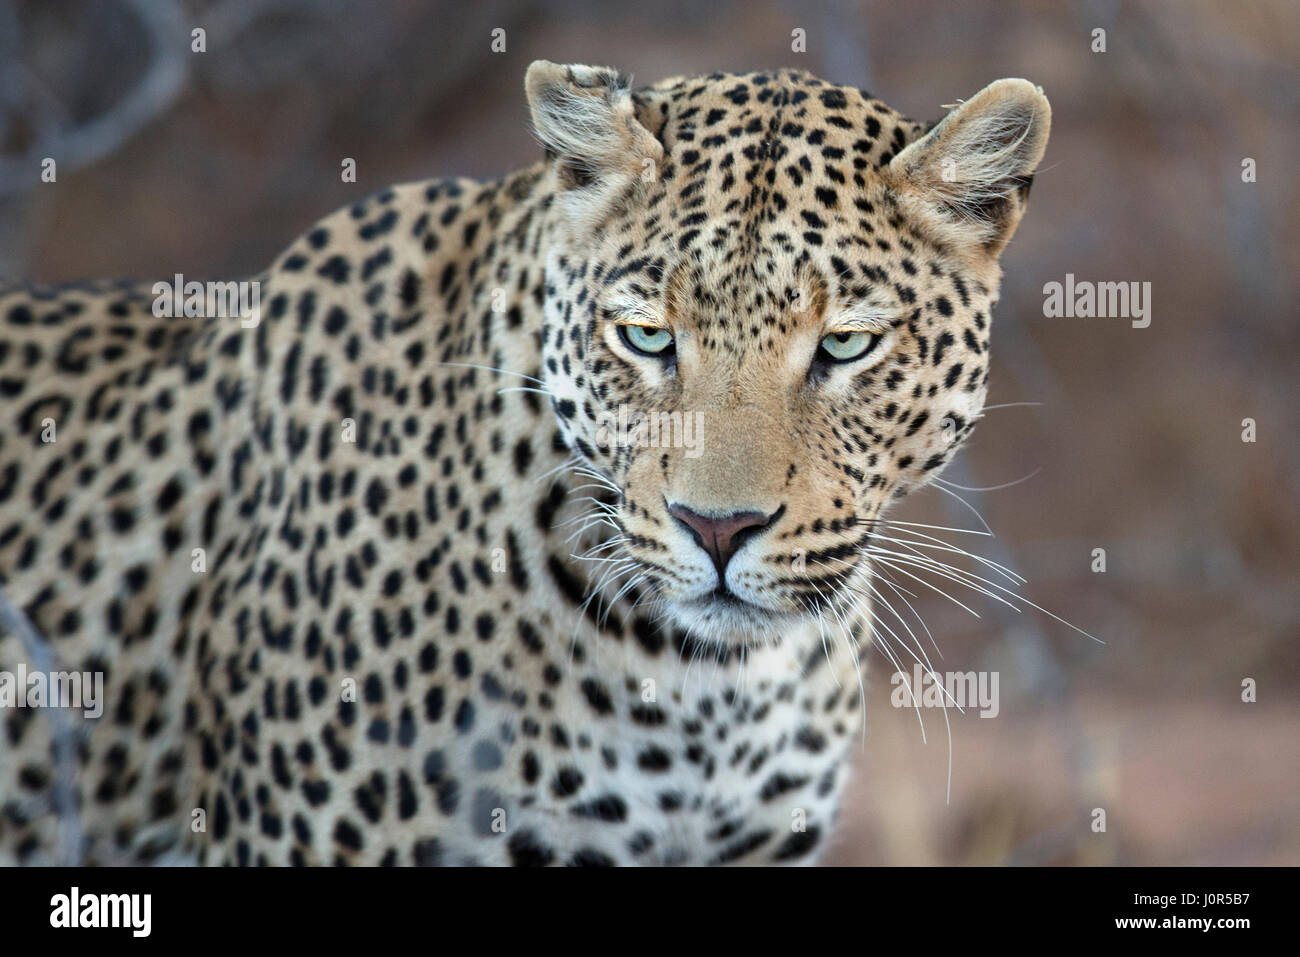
{"points": [[912, 692], [850, 643], [940, 528], [946, 546], [952, 573], [590, 555], [991, 488], [1007, 405], [526, 388], [973, 510], [568, 464], [902, 571], [867, 580], [956, 575], [902, 593], [473, 365], [943, 569], [903, 644], [822, 630]]}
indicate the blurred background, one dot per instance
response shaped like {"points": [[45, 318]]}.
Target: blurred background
{"points": [[209, 163]]}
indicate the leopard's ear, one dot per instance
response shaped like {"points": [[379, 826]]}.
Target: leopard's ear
{"points": [[968, 178], [586, 119]]}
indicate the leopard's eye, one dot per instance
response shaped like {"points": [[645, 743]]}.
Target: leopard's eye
{"points": [[847, 346], [647, 340]]}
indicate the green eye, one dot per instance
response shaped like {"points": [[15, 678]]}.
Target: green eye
{"points": [[847, 346], [647, 340]]}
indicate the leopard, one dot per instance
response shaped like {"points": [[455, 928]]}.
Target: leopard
{"points": [[527, 521]]}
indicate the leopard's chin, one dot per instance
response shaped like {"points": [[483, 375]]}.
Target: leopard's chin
{"points": [[727, 619]]}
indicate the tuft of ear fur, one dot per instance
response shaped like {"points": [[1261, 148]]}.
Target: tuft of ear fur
{"points": [[968, 178], [586, 119]]}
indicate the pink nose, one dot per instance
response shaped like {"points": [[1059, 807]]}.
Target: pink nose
{"points": [[723, 535]]}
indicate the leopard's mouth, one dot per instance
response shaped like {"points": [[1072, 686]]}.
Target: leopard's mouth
{"points": [[723, 599], [724, 615]]}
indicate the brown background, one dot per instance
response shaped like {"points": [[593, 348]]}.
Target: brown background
{"points": [[208, 164]]}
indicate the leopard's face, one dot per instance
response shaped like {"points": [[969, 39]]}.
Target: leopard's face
{"points": [[782, 329]]}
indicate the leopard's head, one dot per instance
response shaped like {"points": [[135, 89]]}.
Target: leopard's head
{"points": [[767, 314]]}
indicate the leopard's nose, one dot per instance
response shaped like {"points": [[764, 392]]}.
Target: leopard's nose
{"points": [[723, 535]]}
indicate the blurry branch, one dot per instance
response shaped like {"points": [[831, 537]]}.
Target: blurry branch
{"points": [[279, 40], [166, 26], [64, 739], [82, 145], [846, 50]]}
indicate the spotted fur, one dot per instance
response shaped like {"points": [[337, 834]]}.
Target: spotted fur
{"points": [[551, 665]]}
